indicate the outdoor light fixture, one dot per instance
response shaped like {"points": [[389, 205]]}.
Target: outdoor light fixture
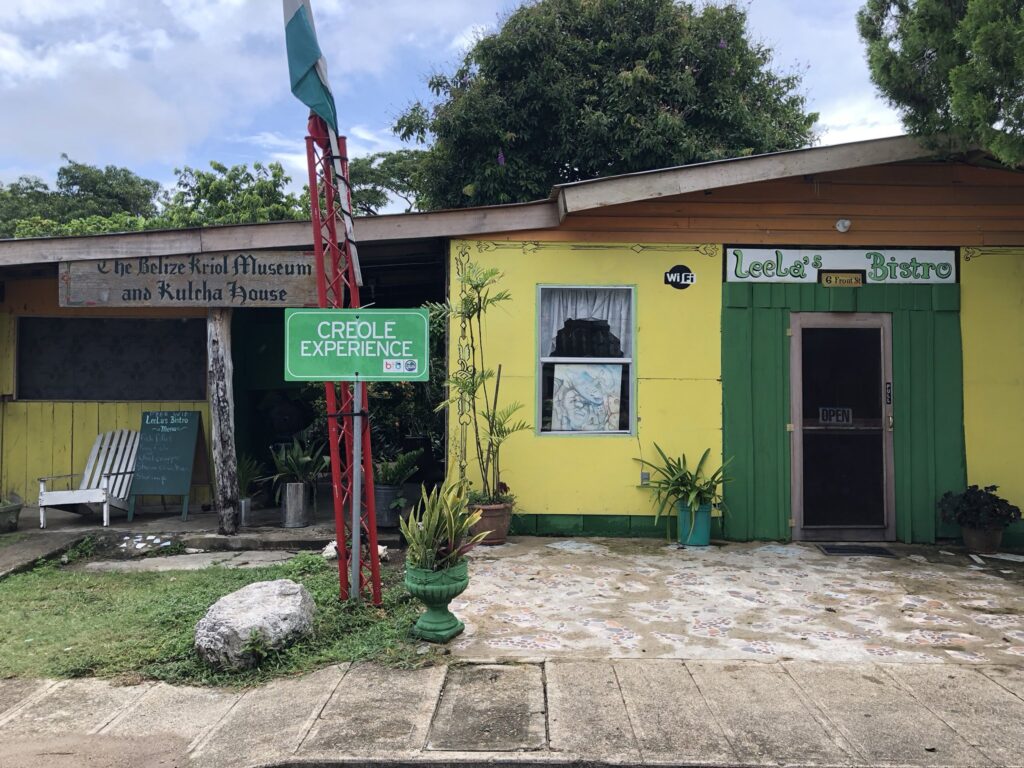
{"points": [[843, 225]]}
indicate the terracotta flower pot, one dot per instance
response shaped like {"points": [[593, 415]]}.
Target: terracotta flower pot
{"points": [[981, 540], [436, 589], [495, 519]]}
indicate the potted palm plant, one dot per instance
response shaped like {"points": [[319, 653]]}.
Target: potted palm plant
{"points": [[692, 493], [389, 477], [474, 391], [438, 534], [981, 515], [249, 472], [297, 466]]}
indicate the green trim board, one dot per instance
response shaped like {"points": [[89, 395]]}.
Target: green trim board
{"points": [[624, 526], [927, 391]]}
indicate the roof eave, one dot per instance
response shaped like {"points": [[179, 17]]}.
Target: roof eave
{"points": [[651, 185]]}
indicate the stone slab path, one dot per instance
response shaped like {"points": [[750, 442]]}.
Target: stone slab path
{"points": [[609, 712], [639, 598]]}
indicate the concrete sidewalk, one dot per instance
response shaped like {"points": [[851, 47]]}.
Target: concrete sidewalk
{"points": [[618, 712]]}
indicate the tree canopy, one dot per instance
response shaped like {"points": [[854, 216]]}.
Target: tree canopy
{"points": [[377, 177], [576, 89], [952, 67], [89, 200]]}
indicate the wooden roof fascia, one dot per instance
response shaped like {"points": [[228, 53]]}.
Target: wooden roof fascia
{"points": [[650, 185], [286, 234]]}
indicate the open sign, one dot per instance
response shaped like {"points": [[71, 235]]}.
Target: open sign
{"points": [[835, 416]]}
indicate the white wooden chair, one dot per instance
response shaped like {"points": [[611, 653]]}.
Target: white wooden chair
{"points": [[106, 481]]}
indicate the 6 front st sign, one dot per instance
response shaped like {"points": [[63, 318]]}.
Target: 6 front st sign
{"points": [[356, 344]]}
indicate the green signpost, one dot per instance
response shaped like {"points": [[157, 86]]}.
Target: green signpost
{"points": [[356, 344]]}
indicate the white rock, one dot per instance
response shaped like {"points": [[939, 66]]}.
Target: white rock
{"points": [[193, 551], [280, 612]]}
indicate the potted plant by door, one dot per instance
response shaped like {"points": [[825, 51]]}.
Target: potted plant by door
{"points": [[249, 472], [389, 477], [692, 493], [297, 466], [10, 509], [438, 534], [981, 515], [473, 392]]}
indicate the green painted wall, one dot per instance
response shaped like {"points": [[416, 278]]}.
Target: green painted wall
{"points": [[927, 399]]}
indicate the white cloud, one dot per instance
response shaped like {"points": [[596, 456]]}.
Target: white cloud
{"points": [[467, 38]]}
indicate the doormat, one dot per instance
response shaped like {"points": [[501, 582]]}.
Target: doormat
{"points": [[856, 549]]}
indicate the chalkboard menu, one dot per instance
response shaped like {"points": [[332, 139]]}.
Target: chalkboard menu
{"points": [[171, 454]]}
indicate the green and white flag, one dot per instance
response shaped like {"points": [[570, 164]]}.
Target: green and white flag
{"points": [[306, 65]]}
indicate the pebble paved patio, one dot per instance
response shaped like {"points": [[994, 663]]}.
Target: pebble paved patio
{"points": [[629, 598]]}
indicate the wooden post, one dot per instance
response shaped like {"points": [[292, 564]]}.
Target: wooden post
{"points": [[222, 418]]}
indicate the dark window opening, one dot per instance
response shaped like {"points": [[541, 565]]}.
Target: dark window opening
{"points": [[77, 358]]}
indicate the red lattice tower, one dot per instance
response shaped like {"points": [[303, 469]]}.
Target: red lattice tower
{"points": [[338, 279]]}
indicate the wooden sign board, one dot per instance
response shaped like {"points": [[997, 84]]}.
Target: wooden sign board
{"points": [[235, 279], [171, 455]]}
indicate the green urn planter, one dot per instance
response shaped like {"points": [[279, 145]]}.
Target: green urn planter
{"points": [[436, 589]]}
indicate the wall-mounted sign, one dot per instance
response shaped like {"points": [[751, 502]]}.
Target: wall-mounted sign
{"points": [[356, 344], [841, 278], [840, 416], [802, 265], [680, 277], [237, 279]]}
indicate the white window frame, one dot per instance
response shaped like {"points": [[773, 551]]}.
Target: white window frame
{"points": [[542, 360]]}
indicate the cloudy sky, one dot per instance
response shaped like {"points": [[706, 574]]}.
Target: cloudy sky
{"points": [[155, 84]]}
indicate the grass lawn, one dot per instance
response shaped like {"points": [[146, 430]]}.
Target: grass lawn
{"points": [[56, 622]]}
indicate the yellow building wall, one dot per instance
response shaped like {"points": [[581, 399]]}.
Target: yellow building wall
{"points": [[992, 325], [41, 438], [677, 356]]}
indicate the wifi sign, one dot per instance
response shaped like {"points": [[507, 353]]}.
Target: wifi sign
{"points": [[680, 277]]}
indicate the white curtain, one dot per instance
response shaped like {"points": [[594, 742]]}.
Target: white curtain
{"points": [[560, 304]]}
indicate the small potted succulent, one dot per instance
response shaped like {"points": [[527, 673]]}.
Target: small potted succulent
{"points": [[693, 493], [981, 515], [389, 477], [438, 534]]}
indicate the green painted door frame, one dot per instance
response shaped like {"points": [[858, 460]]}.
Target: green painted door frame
{"points": [[927, 399]]}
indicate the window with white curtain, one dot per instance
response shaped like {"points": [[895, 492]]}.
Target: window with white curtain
{"points": [[586, 359]]}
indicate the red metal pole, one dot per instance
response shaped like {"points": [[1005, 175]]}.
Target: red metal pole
{"points": [[329, 387], [340, 289]]}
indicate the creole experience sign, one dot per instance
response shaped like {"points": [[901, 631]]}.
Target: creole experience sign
{"points": [[802, 265], [356, 344], [236, 279]]}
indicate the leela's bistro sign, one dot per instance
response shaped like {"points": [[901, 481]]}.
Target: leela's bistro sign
{"points": [[235, 279], [846, 267]]}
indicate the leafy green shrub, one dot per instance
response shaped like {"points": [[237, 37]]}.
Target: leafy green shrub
{"points": [[978, 508], [438, 529]]}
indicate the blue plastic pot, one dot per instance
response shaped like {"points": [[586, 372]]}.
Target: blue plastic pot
{"points": [[694, 528]]}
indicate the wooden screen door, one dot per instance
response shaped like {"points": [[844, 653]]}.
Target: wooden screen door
{"points": [[842, 416]]}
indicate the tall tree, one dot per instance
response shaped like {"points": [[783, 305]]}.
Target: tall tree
{"points": [[952, 67], [84, 192], [231, 195], [575, 89], [90, 200], [378, 177]]}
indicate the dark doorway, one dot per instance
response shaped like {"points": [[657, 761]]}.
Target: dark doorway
{"points": [[842, 427]]}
